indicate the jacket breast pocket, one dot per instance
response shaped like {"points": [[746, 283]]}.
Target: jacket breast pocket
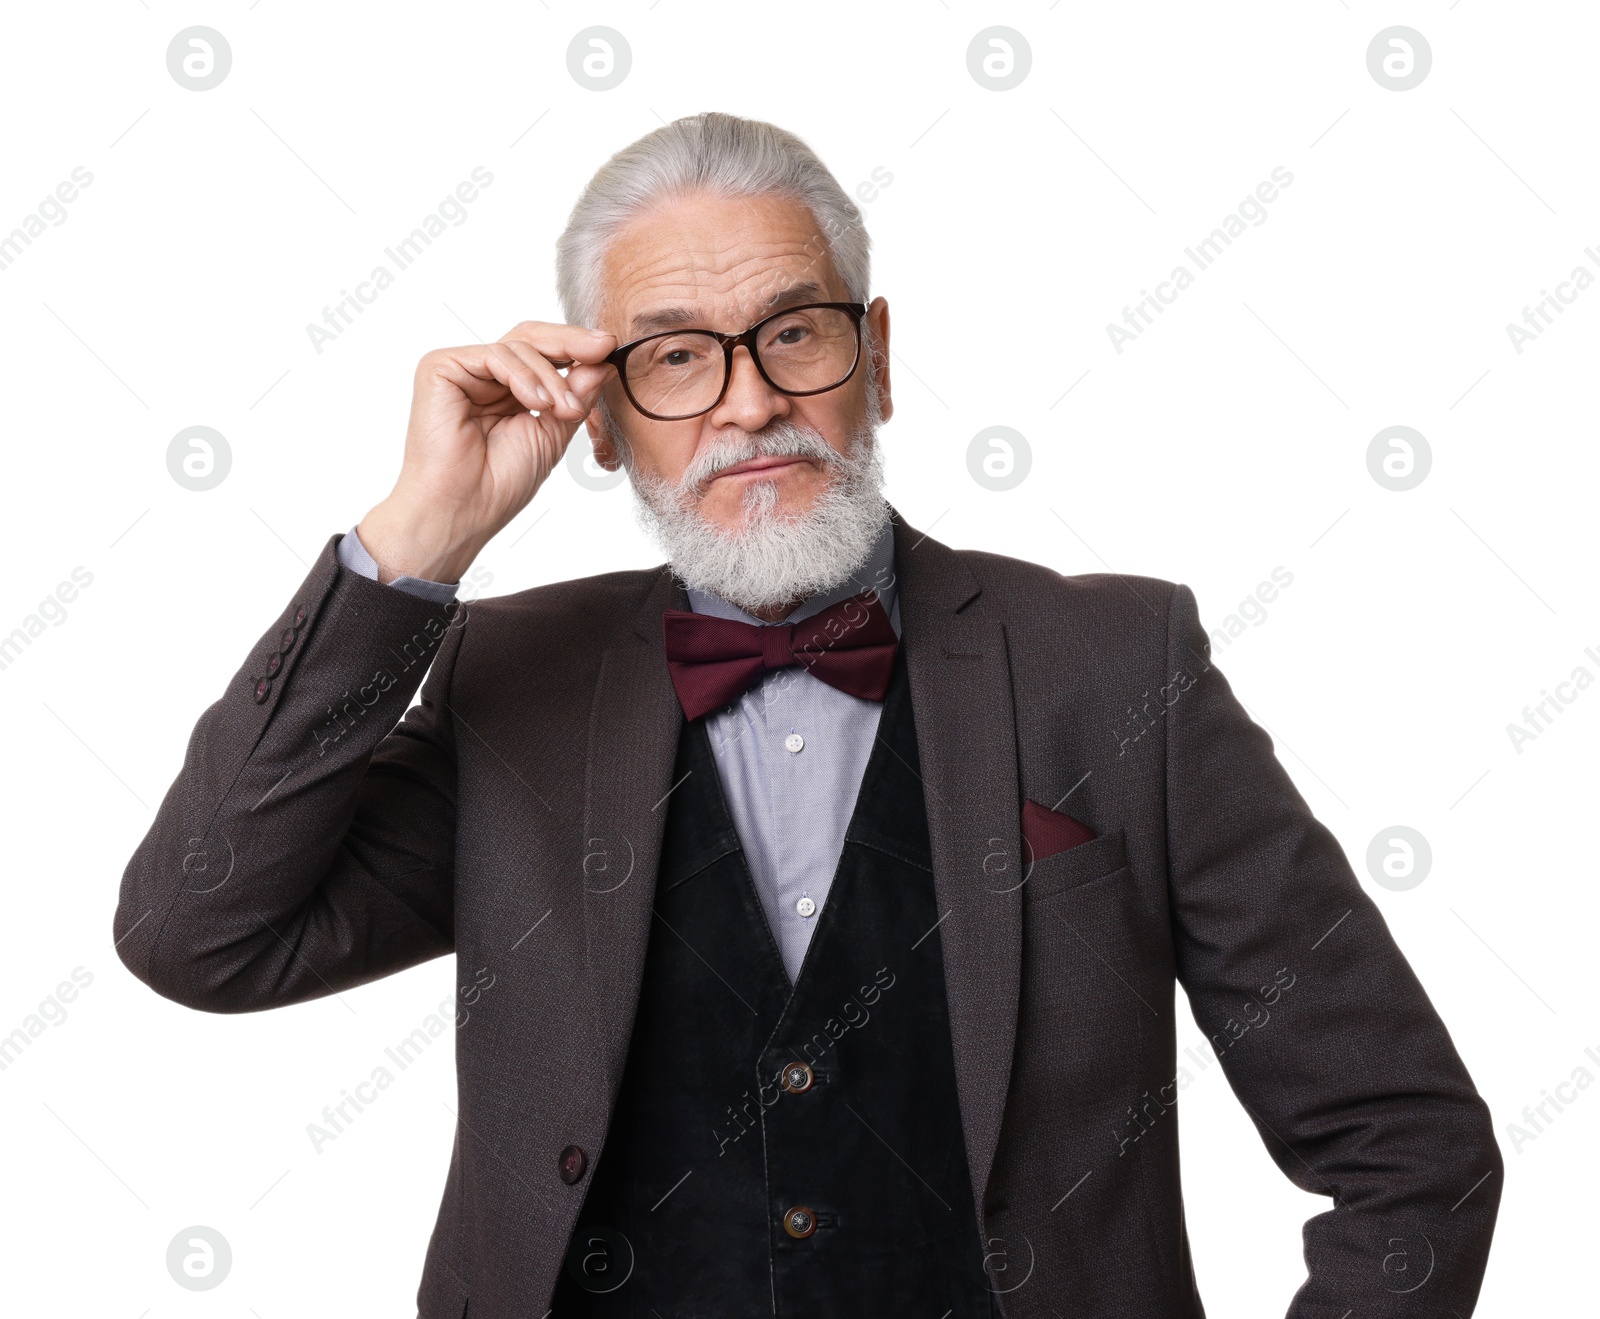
{"points": [[1097, 859]]}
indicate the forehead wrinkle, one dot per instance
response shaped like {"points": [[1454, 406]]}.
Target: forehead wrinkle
{"points": [[705, 285], [674, 316], [714, 261], [715, 257]]}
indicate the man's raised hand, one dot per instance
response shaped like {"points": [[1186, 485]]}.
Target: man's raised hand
{"points": [[489, 422]]}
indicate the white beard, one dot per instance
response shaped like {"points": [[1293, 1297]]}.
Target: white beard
{"points": [[770, 559]]}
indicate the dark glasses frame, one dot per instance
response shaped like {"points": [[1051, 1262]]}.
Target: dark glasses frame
{"points": [[619, 358]]}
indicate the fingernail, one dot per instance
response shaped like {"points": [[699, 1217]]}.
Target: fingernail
{"points": [[541, 398], [572, 400]]}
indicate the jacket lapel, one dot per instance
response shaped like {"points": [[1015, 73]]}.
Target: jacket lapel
{"points": [[634, 727], [966, 738]]}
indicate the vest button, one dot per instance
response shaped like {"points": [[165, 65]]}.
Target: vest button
{"points": [[799, 1222], [573, 1162], [797, 1078]]}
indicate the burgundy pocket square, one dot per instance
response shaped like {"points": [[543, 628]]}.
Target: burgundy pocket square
{"points": [[1046, 832]]}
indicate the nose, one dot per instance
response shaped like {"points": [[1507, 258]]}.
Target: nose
{"points": [[750, 402]]}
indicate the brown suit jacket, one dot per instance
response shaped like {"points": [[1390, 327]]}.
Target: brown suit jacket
{"points": [[316, 840]]}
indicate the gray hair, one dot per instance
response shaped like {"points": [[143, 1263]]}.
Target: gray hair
{"points": [[718, 153]]}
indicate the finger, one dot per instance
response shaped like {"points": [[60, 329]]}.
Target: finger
{"points": [[461, 367], [553, 386], [562, 345], [484, 365], [587, 382], [568, 401]]}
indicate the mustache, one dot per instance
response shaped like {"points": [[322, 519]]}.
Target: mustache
{"points": [[782, 439]]}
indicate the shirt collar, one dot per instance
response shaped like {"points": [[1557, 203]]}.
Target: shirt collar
{"points": [[876, 570]]}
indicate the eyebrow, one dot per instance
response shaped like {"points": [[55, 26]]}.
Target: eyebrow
{"points": [[678, 318]]}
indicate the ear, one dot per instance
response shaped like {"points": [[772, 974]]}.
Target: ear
{"points": [[605, 448], [878, 320]]}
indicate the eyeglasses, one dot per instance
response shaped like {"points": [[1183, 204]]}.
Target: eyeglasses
{"points": [[679, 374]]}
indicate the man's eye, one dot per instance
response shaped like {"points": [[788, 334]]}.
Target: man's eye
{"points": [[792, 334], [678, 355]]}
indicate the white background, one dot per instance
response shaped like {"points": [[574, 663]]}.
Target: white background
{"points": [[1228, 440]]}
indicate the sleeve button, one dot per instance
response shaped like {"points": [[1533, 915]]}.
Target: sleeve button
{"points": [[573, 1162], [263, 689], [274, 663]]}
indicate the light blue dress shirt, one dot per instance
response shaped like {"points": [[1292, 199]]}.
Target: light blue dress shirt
{"points": [[791, 753]]}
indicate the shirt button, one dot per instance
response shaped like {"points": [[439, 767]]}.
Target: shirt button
{"points": [[799, 1222], [794, 744], [806, 907]]}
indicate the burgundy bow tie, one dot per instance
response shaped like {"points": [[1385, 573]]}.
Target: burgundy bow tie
{"points": [[714, 661]]}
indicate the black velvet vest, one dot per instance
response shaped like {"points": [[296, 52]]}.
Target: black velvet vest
{"points": [[779, 1150]]}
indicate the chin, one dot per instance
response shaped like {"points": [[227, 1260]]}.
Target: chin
{"points": [[762, 501], [761, 542]]}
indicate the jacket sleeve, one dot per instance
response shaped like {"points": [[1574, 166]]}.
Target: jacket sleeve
{"points": [[1323, 1030], [307, 844]]}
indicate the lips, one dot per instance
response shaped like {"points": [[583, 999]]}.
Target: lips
{"points": [[763, 464]]}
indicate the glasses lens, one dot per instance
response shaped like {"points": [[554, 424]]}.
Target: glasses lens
{"points": [[804, 351], [809, 349], [677, 375]]}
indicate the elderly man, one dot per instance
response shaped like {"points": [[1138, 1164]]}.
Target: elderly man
{"points": [[819, 896]]}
